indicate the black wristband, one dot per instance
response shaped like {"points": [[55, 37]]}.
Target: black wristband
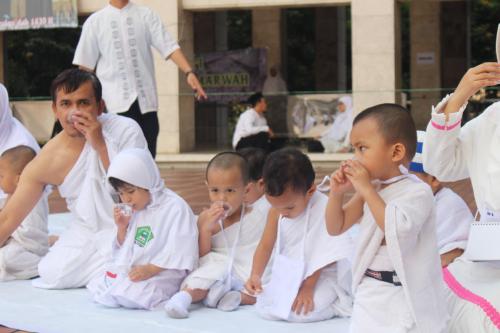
{"points": [[190, 72]]}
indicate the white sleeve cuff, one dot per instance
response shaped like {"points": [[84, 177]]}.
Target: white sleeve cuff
{"points": [[439, 118]]}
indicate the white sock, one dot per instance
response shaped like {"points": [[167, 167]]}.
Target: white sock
{"points": [[215, 293], [230, 301], [177, 306]]}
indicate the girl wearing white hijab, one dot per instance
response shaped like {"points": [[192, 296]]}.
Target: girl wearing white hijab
{"points": [[156, 243], [12, 132], [336, 138]]}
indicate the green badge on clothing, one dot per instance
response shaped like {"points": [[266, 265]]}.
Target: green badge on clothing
{"points": [[143, 235]]}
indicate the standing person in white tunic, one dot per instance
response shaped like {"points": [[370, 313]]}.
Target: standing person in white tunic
{"points": [[453, 152], [453, 217], [310, 275], [228, 236], [336, 138], [155, 246], [116, 42], [20, 255], [12, 132], [397, 282], [75, 161]]}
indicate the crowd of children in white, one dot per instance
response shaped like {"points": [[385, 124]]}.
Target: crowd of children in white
{"points": [[270, 238]]}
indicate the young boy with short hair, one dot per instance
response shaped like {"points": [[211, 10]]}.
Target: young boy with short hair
{"points": [[397, 281], [228, 236], [21, 253], [156, 239], [310, 274]]}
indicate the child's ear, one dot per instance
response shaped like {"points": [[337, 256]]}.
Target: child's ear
{"points": [[398, 152], [311, 190], [247, 187], [260, 182]]}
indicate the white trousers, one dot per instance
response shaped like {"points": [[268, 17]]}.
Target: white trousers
{"points": [[16, 263], [76, 258]]}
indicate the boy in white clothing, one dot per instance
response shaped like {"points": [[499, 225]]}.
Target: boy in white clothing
{"points": [[228, 236], [310, 275], [453, 217], [156, 241], [397, 282], [21, 253]]}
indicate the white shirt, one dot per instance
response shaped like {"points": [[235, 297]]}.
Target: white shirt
{"points": [[117, 43], [452, 152], [249, 123]]}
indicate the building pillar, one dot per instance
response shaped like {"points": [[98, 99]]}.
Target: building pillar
{"points": [[425, 66], [373, 52], [266, 33]]}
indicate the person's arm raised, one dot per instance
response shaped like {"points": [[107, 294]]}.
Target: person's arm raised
{"points": [[28, 192], [88, 124]]}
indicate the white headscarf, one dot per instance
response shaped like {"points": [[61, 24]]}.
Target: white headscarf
{"points": [[137, 167], [343, 122], [12, 132]]}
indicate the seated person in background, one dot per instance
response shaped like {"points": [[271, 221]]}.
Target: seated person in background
{"points": [[336, 138], [252, 129], [12, 132], [156, 243], [255, 197], [20, 254], [453, 217], [228, 236], [310, 275]]}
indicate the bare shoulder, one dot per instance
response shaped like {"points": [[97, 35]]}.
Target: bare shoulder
{"points": [[53, 162]]}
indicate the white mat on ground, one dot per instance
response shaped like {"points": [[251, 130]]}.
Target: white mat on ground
{"points": [[70, 311]]}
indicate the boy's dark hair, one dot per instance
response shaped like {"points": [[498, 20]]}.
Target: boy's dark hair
{"points": [[255, 98], [287, 168], [395, 124], [227, 160], [118, 183], [255, 158], [71, 79], [18, 157]]}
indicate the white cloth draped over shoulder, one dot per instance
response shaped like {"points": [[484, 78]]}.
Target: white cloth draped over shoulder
{"points": [[79, 253], [321, 249], [12, 132], [453, 219], [172, 243], [214, 265], [410, 235]]}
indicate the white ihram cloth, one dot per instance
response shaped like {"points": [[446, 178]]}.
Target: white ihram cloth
{"points": [[337, 136], [249, 123], [453, 219], [320, 250], [169, 239], [80, 252], [410, 234], [213, 266], [20, 255], [117, 44], [12, 132], [263, 205], [469, 151]]}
